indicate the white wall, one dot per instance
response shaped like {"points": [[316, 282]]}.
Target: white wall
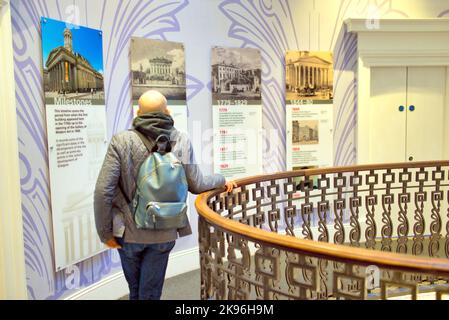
{"points": [[12, 260]]}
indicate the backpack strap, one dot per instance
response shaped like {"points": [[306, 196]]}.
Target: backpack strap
{"points": [[148, 144]]}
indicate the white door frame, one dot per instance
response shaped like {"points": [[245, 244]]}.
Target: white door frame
{"points": [[395, 43], [12, 259]]}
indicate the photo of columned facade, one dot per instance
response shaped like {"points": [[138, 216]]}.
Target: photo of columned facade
{"points": [[160, 71], [309, 75], [69, 72], [160, 66]]}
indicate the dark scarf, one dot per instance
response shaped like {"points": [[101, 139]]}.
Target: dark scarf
{"points": [[154, 124]]}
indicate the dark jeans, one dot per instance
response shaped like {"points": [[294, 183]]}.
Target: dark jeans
{"points": [[144, 266]]}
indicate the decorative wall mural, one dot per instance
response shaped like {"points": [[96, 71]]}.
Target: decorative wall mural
{"points": [[118, 21], [272, 26]]}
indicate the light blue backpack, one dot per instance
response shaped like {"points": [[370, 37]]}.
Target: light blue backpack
{"points": [[161, 188]]}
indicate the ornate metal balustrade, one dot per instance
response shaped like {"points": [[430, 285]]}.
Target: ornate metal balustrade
{"points": [[363, 232]]}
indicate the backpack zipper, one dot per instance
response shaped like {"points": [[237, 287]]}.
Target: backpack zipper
{"points": [[154, 169]]}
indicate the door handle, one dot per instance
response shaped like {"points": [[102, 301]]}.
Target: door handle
{"points": [[411, 159], [401, 109], [412, 108]]}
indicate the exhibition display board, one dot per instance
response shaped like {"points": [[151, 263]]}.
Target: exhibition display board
{"points": [[237, 111], [309, 109], [160, 65], [76, 133]]}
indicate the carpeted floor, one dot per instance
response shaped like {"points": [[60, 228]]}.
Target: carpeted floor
{"points": [[183, 287]]}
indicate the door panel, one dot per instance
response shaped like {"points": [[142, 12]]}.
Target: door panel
{"points": [[425, 131], [387, 122]]}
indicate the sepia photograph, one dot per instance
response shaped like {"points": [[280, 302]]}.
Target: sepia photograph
{"points": [[305, 132], [158, 65], [236, 74], [72, 60], [309, 75]]}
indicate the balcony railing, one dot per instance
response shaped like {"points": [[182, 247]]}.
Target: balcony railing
{"points": [[362, 232]]}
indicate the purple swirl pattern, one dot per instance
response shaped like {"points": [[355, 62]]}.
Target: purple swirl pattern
{"points": [[265, 25], [119, 21], [270, 26], [384, 8], [345, 100]]}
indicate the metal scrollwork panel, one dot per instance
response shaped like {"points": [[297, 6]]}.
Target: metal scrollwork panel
{"points": [[407, 206]]}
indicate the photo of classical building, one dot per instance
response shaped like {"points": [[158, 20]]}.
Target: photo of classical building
{"points": [[236, 74], [71, 67], [158, 65], [309, 75], [305, 132]]}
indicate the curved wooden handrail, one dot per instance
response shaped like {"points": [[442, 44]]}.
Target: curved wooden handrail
{"points": [[333, 251], [345, 169]]}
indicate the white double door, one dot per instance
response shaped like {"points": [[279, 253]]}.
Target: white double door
{"points": [[407, 114]]}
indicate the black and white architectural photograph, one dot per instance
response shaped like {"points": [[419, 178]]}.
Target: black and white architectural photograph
{"points": [[158, 65], [309, 75], [236, 74], [305, 132]]}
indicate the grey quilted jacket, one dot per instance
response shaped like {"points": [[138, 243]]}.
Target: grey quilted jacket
{"points": [[116, 185]]}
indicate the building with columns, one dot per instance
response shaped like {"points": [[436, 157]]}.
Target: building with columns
{"points": [[159, 71], [160, 67], [307, 70], [68, 71]]}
